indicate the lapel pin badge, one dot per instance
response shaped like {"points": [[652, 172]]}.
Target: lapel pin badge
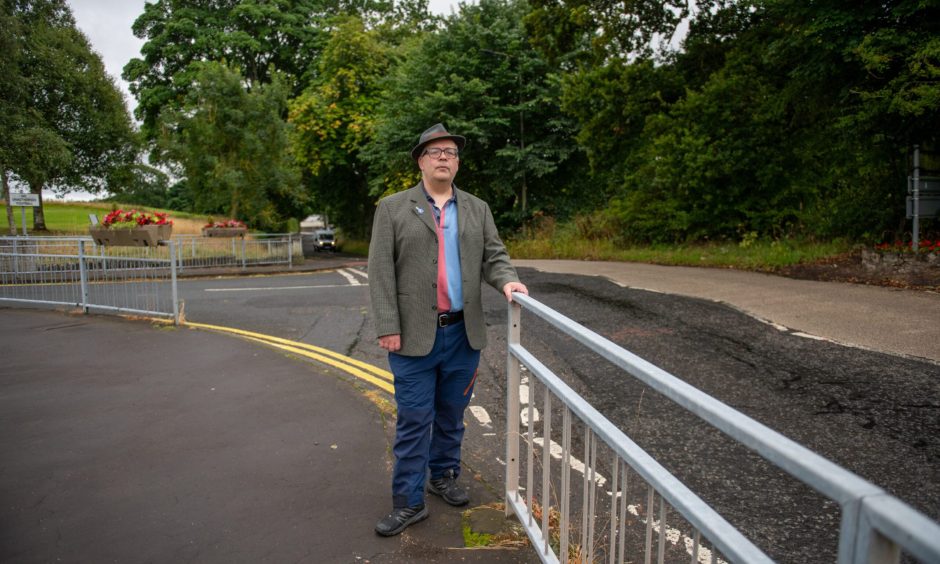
{"points": [[418, 209]]}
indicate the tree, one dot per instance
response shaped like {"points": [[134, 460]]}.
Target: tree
{"points": [[66, 126], [231, 144], [261, 37], [145, 186], [334, 120], [774, 117], [481, 77]]}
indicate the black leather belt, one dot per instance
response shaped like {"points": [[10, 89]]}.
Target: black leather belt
{"points": [[449, 318]]}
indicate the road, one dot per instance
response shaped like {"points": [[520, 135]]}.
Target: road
{"points": [[876, 414]]}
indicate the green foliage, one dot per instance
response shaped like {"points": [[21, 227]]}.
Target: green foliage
{"points": [[145, 186], [768, 120], [64, 123], [587, 237], [473, 539], [232, 145], [480, 77], [776, 117], [259, 37], [334, 119]]}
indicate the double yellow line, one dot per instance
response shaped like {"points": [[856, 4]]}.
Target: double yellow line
{"points": [[364, 371]]}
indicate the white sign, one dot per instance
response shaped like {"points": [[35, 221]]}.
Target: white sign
{"points": [[24, 200]]}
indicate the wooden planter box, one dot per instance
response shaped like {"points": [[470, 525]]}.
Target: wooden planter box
{"points": [[224, 231], [146, 236]]}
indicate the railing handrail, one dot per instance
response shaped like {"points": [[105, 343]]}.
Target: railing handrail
{"points": [[921, 539], [823, 475], [697, 512]]}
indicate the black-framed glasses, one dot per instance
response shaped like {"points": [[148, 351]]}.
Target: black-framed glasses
{"points": [[436, 152]]}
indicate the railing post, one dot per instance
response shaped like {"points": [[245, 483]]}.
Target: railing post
{"points": [[859, 541], [290, 250], [513, 378], [174, 289], [244, 254], [83, 275]]}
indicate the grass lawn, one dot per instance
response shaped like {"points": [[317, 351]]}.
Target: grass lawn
{"points": [[71, 218]]}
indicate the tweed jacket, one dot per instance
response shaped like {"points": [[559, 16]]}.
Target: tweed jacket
{"points": [[403, 267]]}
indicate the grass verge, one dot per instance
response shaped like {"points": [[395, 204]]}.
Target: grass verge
{"points": [[749, 255]]}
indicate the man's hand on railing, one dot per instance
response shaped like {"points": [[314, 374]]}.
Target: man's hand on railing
{"points": [[511, 287]]}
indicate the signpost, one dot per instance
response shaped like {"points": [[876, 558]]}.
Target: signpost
{"points": [[923, 200], [24, 201]]}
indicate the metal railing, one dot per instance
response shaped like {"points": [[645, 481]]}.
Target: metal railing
{"points": [[875, 527], [254, 250], [192, 252], [51, 273]]}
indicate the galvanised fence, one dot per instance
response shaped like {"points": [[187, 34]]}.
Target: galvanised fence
{"points": [[70, 273], [76, 272], [630, 514], [256, 249], [192, 252]]}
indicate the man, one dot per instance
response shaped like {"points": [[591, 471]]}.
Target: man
{"points": [[432, 246]]}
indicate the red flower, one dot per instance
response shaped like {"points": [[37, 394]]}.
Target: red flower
{"points": [[121, 218]]}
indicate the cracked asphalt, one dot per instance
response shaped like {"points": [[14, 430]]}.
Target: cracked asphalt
{"points": [[875, 414]]}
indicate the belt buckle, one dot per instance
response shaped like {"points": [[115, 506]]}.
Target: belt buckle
{"points": [[442, 320]]}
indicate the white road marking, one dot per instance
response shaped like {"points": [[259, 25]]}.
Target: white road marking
{"points": [[358, 272], [278, 288], [808, 336], [555, 450], [673, 536], [353, 281], [524, 416], [482, 416]]}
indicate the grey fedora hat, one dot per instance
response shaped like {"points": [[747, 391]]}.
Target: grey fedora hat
{"points": [[434, 133]]}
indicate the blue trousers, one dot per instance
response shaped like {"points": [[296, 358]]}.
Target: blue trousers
{"points": [[432, 393]]}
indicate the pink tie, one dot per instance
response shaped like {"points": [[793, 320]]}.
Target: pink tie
{"points": [[443, 300]]}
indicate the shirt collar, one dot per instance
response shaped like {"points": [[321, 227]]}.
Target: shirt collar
{"points": [[453, 195]]}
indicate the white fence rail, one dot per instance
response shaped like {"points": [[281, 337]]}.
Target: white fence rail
{"points": [[875, 527], [52, 273], [192, 252]]}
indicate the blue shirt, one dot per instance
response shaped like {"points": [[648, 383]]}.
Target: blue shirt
{"points": [[451, 248]]}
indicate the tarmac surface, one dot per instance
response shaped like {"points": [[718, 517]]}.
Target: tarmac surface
{"points": [[129, 441], [890, 320]]}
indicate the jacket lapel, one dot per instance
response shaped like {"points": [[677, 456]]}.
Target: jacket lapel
{"points": [[420, 208], [462, 213]]}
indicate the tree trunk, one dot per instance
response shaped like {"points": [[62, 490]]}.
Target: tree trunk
{"points": [[39, 217], [6, 198]]}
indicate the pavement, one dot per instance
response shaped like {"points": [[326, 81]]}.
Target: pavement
{"points": [[133, 441]]}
